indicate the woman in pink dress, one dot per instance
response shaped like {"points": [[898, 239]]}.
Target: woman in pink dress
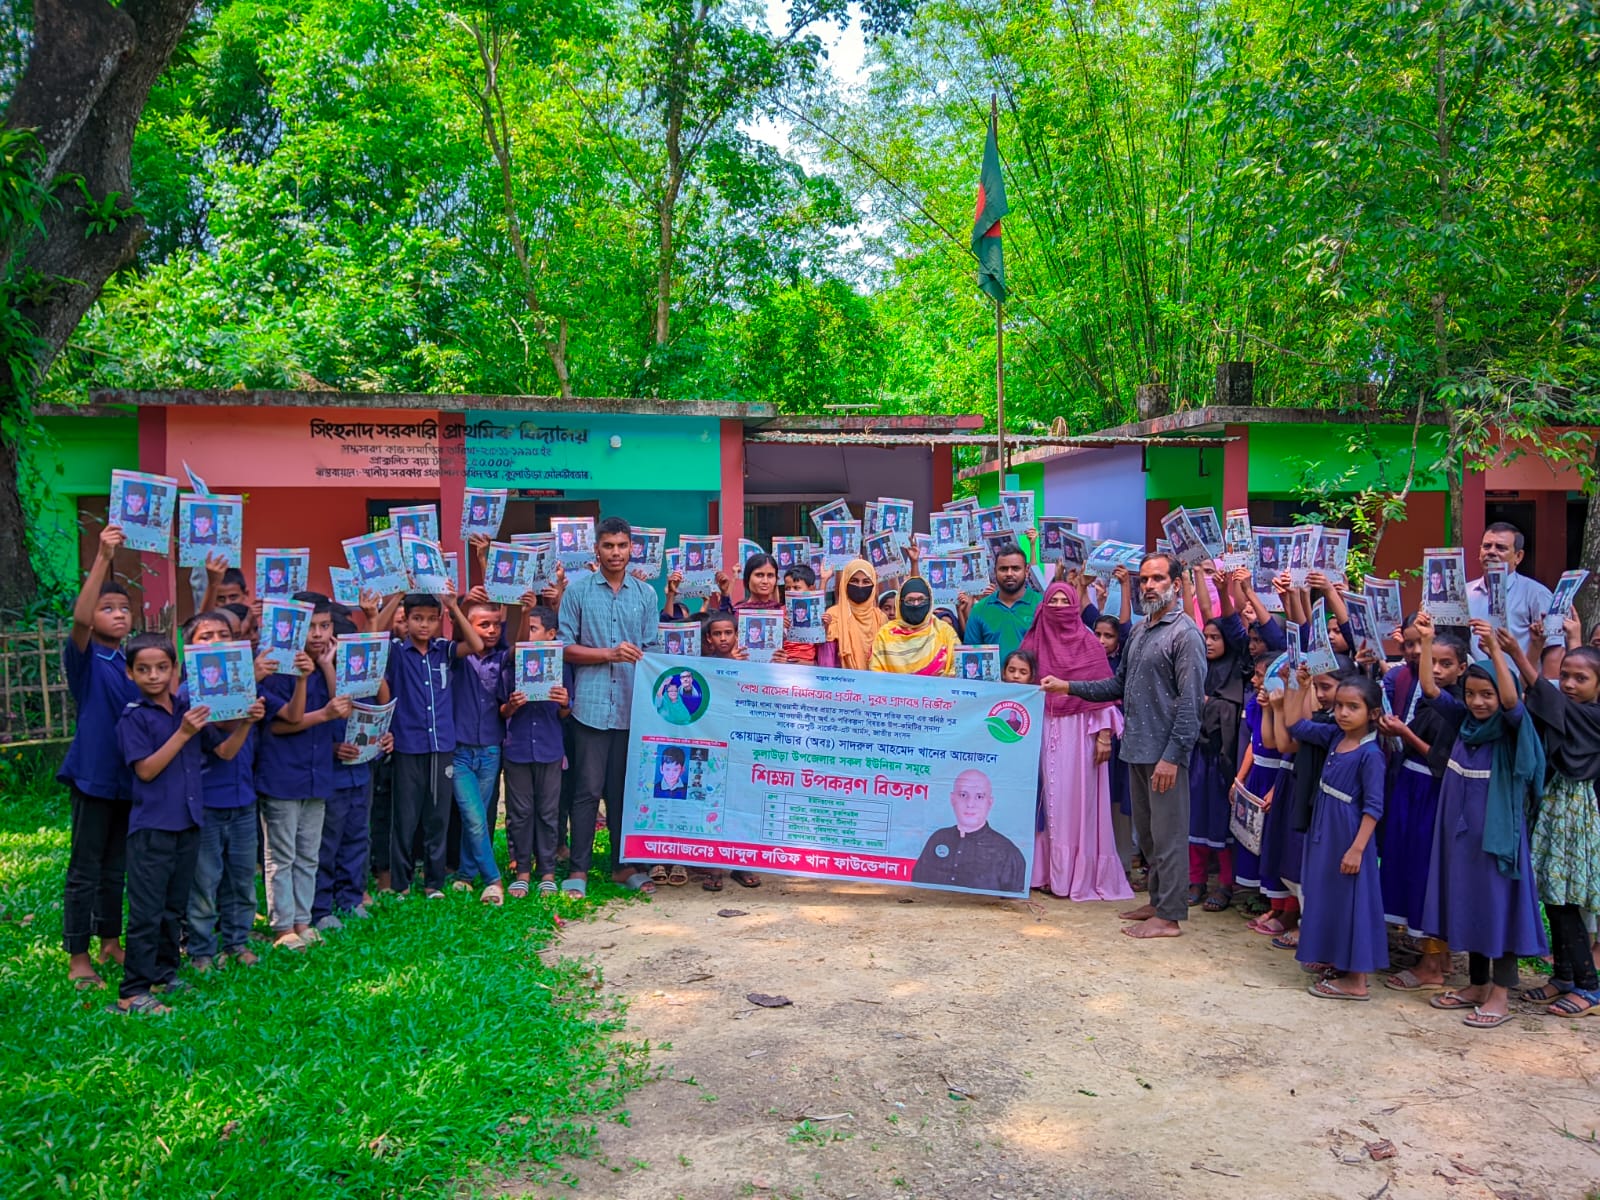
{"points": [[1075, 854]]}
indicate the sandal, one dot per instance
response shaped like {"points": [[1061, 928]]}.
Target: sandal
{"points": [[1450, 1002], [640, 882], [1197, 893], [1478, 1019], [577, 889], [494, 895], [1576, 1003], [1324, 989], [1218, 899], [143, 1003], [1270, 926], [87, 983], [745, 879], [1543, 994], [519, 889], [712, 883], [547, 887], [1407, 981], [1287, 941], [678, 876], [658, 874]]}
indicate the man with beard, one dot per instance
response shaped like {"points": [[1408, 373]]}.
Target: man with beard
{"points": [[1001, 618], [1161, 681]]}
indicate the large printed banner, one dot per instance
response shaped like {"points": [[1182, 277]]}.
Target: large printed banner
{"points": [[837, 774]]}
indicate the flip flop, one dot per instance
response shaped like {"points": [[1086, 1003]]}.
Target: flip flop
{"points": [[1478, 1019], [1323, 989], [1287, 941], [1407, 981], [1267, 926], [87, 983], [1449, 1002]]}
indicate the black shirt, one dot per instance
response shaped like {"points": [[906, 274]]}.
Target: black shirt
{"points": [[983, 860]]}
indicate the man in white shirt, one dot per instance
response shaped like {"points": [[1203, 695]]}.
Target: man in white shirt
{"points": [[1527, 600]]}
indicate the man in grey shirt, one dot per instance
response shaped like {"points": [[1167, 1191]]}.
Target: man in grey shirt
{"points": [[1527, 600], [1161, 682]]}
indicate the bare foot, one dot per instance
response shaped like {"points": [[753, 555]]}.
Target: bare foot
{"points": [[1143, 913], [111, 950], [1153, 927], [82, 975]]}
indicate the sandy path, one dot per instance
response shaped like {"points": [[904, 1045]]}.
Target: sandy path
{"points": [[1096, 1066]]}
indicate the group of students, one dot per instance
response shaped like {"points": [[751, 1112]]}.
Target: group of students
{"points": [[1389, 792]]}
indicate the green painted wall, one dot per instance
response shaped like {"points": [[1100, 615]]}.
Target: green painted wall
{"points": [[1187, 475], [75, 458], [1279, 453], [544, 450]]}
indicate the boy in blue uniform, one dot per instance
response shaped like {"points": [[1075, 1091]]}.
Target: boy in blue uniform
{"points": [[342, 859], [475, 707], [533, 752], [294, 778], [97, 677], [157, 739], [223, 898], [424, 732]]}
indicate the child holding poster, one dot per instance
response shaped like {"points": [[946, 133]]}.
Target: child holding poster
{"points": [[532, 754], [719, 640], [141, 505]]}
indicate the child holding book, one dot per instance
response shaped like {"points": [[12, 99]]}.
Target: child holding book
{"points": [[532, 754]]}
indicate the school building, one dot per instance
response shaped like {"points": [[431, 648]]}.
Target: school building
{"points": [[1262, 459], [318, 467]]}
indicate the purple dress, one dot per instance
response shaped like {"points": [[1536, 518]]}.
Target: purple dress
{"points": [[1343, 919], [1265, 767], [1468, 902]]}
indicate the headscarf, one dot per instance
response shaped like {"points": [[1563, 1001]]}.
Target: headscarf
{"points": [[1516, 766], [925, 649], [1065, 648], [856, 625]]}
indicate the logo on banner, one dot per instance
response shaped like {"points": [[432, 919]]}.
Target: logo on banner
{"points": [[680, 696], [1008, 722]]}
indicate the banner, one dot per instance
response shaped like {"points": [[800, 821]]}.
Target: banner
{"points": [[834, 774]]}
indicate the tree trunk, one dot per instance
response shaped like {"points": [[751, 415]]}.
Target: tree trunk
{"points": [[1589, 556], [88, 77]]}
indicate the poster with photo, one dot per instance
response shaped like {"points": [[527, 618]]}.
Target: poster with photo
{"points": [[951, 531], [672, 561], [647, 549], [144, 506], [511, 572], [1444, 585], [284, 627], [760, 634], [1320, 657], [346, 590], [377, 562], [1207, 528], [1302, 550], [483, 510], [974, 574], [545, 567], [452, 570], [680, 637], [834, 510], [896, 516], [367, 727], [1018, 508], [804, 610], [1185, 541], [702, 560], [424, 564], [747, 551], [574, 541], [1387, 609], [871, 519], [538, 666], [978, 663], [990, 521], [416, 520], [1494, 589], [882, 550], [281, 572], [1271, 560], [791, 552], [943, 574], [1562, 599], [209, 525], [1051, 532], [1238, 541], [222, 677], [841, 542], [359, 663], [1331, 553], [1363, 625], [968, 505]]}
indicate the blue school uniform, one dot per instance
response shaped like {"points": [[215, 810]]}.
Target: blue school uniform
{"points": [[1343, 919], [295, 766], [533, 734], [1261, 780], [346, 840], [424, 709], [1215, 759], [1405, 836], [97, 678], [1467, 901], [174, 800]]}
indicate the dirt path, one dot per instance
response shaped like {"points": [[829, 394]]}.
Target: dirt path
{"points": [[1094, 1066]]}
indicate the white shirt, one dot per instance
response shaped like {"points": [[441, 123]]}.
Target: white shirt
{"points": [[1527, 602]]}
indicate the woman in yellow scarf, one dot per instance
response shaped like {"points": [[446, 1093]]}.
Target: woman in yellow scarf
{"points": [[917, 642], [854, 620]]}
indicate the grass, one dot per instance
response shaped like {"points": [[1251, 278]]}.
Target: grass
{"points": [[421, 1053]]}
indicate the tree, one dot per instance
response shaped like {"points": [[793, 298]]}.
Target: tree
{"points": [[87, 79]]}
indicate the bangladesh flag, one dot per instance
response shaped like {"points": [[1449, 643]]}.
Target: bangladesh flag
{"points": [[986, 223]]}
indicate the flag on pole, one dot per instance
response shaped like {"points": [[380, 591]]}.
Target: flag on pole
{"points": [[986, 223]]}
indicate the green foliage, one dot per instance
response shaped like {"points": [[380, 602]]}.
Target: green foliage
{"points": [[411, 1055]]}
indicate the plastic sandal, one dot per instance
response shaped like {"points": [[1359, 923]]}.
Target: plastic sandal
{"points": [[143, 1003], [547, 887], [519, 889], [1569, 1005], [1478, 1019], [576, 888], [494, 895], [677, 877], [1217, 899], [745, 879]]}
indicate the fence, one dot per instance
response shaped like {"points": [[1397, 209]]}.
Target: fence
{"points": [[33, 687]]}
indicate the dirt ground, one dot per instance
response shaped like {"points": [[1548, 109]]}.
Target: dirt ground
{"points": [[948, 1046]]}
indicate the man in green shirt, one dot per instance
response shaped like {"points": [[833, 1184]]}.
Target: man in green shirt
{"points": [[1004, 615]]}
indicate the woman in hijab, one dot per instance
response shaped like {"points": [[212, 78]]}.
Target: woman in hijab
{"points": [[1075, 854], [854, 620], [917, 642]]}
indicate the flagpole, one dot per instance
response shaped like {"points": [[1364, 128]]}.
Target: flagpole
{"points": [[999, 343]]}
